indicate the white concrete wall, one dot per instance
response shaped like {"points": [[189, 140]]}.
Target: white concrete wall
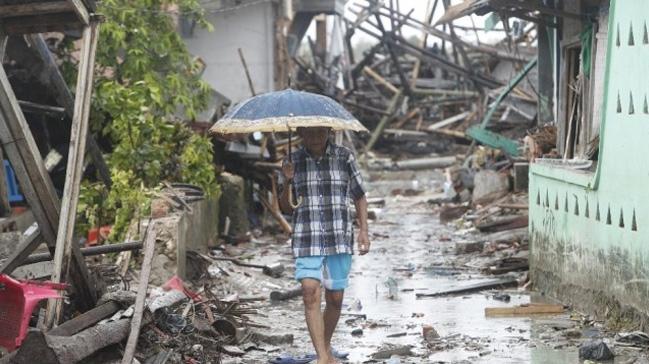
{"points": [[250, 28]]}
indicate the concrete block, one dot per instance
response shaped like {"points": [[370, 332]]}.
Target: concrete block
{"points": [[489, 186]]}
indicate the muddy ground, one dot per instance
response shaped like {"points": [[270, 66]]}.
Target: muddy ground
{"points": [[412, 253]]}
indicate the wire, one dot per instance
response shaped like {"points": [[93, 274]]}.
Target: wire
{"points": [[177, 12]]}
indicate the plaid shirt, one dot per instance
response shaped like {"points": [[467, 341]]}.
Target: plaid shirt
{"points": [[322, 224]]}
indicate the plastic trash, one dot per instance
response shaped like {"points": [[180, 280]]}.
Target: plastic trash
{"points": [[393, 288]]}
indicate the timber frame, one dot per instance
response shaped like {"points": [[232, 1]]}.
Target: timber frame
{"points": [[55, 218], [39, 16]]}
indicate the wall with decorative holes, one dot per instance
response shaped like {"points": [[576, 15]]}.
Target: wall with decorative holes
{"points": [[589, 230]]}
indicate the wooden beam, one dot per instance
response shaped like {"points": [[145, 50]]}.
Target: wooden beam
{"points": [[448, 121], [7, 11], [81, 10], [3, 46], [25, 158], [54, 111], [523, 310], [149, 249], [30, 24], [370, 72], [392, 109], [26, 245], [491, 284], [74, 171], [86, 319]]}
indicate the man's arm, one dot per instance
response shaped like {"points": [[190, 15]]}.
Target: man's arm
{"points": [[363, 235]]}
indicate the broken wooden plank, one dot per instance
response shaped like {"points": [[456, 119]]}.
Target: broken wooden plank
{"points": [[24, 156], [74, 170], [15, 10], [508, 236], [503, 224], [392, 109], [492, 284], [53, 111], [89, 251], [513, 206], [452, 133], [31, 24], [86, 319], [149, 249], [425, 163], [523, 310], [509, 267], [448, 121], [30, 241], [370, 72]]}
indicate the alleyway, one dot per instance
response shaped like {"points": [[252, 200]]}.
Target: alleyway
{"points": [[412, 247]]}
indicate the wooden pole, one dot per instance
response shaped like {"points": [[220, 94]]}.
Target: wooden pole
{"points": [[245, 68], [74, 172], [149, 249], [422, 41], [392, 108], [3, 46], [370, 72]]}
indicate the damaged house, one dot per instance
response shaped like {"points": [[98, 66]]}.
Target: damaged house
{"points": [[586, 216]]}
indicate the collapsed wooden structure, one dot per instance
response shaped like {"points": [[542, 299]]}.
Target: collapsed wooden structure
{"points": [[55, 217]]}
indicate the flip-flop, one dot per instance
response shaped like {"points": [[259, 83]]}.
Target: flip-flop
{"points": [[339, 354], [288, 359]]}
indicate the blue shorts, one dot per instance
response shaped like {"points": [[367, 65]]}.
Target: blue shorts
{"points": [[331, 270]]}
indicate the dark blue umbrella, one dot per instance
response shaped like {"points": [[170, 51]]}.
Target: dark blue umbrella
{"points": [[284, 111]]}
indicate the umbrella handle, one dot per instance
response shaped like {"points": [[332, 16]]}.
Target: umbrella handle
{"points": [[298, 203]]}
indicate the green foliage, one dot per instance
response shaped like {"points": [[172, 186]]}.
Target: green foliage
{"points": [[196, 156], [146, 84]]}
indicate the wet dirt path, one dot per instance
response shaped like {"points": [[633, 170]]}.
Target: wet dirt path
{"points": [[411, 253]]}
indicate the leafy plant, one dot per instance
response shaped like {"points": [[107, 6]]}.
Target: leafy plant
{"points": [[144, 78]]}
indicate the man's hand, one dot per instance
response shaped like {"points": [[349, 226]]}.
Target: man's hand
{"points": [[288, 170], [363, 242]]}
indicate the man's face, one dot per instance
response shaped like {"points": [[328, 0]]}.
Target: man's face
{"points": [[314, 138]]}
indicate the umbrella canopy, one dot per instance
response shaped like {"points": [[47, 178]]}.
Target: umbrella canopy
{"points": [[281, 110]]}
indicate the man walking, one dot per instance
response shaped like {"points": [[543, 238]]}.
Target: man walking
{"points": [[324, 177]]}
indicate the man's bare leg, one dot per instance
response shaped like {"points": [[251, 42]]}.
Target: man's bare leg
{"points": [[332, 310], [311, 294]]}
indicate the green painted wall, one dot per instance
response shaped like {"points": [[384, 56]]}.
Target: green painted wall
{"points": [[590, 230]]}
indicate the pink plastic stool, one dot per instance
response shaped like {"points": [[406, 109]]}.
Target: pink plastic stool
{"points": [[17, 302]]}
